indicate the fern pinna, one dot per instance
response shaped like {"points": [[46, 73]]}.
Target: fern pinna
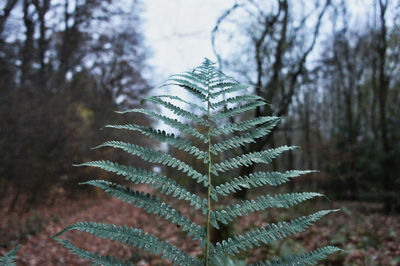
{"points": [[215, 92], [9, 258]]}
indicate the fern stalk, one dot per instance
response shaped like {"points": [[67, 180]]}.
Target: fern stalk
{"points": [[209, 179]]}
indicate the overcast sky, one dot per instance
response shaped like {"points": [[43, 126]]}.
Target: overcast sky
{"points": [[179, 33]]}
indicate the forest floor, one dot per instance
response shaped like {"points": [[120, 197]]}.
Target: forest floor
{"points": [[367, 236]]}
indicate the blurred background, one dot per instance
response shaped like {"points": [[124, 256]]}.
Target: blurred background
{"points": [[330, 69]]}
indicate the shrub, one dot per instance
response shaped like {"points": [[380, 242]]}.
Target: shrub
{"points": [[220, 98]]}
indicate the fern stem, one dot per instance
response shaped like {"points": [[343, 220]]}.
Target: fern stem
{"points": [[209, 180]]}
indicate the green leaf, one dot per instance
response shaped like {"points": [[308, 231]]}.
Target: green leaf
{"points": [[151, 205], [244, 125], [136, 238], [227, 261], [95, 258], [230, 89], [258, 179], [222, 82], [183, 128], [177, 110], [307, 258], [248, 159], [162, 136], [154, 156], [236, 99], [141, 176], [260, 203], [267, 234], [193, 77], [191, 104], [10, 257], [236, 110], [189, 86], [243, 139]]}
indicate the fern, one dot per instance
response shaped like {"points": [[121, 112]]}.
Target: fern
{"points": [[307, 258], [219, 98], [10, 257], [90, 256]]}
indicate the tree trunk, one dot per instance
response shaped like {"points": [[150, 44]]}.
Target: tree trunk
{"points": [[382, 96], [28, 44]]}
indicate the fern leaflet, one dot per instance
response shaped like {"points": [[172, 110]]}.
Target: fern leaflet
{"points": [[308, 258], [10, 257]]}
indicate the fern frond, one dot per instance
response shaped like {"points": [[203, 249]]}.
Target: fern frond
{"points": [[236, 110], [258, 179], [226, 261], [189, 86], [267, 234], [184, 128], [177, 110], [222, 82], [248, 159], [243, 139], [307, 258], [236, 99], [136, 238], [95, 258], [192, 76], [154, 156], [287, 200], [10, 257], [162, 136], [152, 205], [207, 67], [230, 89], [166, 185], [191, 104], [244, 125]]}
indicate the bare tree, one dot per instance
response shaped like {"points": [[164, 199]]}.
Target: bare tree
{"points": [[278, 53], [382, 95], [60, 82]]}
